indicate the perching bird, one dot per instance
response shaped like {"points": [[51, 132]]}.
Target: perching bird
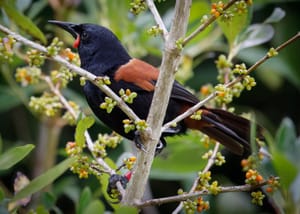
{"points": [[102, 54]]}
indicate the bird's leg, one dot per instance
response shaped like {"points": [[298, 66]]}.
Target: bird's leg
{"points": [[139, 144]]}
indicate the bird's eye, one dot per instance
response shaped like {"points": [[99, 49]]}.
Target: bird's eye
{"points": [[84, 35]]}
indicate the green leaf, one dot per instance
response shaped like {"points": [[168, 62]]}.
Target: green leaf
{"points": [[48, 200], [14, 155], [22, 21], [286, 135], [276, 16], [254, 35], [1, 144], [45, 179], [95, 206], [41, 210], [8, 99], [2, 195], [126, 210], [286, 170], [84, 200], [81, 127], [232, 28], [295, 189], [176, 161]]}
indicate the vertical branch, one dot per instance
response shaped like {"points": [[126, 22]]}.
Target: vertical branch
{"points": [[170, 60]]}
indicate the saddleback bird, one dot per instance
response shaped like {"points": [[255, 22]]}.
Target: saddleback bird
{"points": [[102, 54]]}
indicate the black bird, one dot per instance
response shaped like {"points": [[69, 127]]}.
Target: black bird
{"points": [[102, 54]]}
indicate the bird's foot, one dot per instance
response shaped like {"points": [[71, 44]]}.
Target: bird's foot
{"points": [[112, 185], [139, 144]]}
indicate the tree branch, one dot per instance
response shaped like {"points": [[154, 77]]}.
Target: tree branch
{"points": [[158, 19], [185, 196], [170, 60], [206, 23]]}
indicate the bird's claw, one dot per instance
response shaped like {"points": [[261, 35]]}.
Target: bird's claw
{"points": [[112, 185], [139, 144]]}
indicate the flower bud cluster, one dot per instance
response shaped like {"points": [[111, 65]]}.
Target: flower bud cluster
{"points": [[6, 48], [55, 46], [28, 75], [228, 72], [35, 58], [108, 104], [48, 104], [105, 141], [127, 95], [137, 6], [155, 31]]}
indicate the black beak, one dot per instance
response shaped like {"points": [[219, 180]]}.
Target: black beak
{"points": [[70, 27]]}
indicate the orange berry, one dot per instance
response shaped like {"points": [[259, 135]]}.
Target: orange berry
{"points": [[244, 162], [217, 14], [132, 159], [248, 175], [259, 178], [127, 92], [269, 189], [221, 94], [28, 78], [213, 11], [71, 56], [204, 90]]}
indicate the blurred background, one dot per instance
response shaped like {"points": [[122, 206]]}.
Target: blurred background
{"points": [[275, 100]]}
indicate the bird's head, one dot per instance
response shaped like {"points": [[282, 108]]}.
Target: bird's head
{"points": [[99, 49]]}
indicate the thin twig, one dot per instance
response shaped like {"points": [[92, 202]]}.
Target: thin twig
{"points": [[183, 197], [209, 164], [158, 18], [263, 59], [206, 24], [189, 112]]}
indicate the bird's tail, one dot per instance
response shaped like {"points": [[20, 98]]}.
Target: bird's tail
{"points": [[230, 130]]}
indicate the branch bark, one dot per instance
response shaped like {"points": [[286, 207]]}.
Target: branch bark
{"points": [[158, 19], [185, 196], [170, 60]]}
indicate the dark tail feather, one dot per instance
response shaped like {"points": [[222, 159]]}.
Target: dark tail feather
{"points": [[230, 130]]}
